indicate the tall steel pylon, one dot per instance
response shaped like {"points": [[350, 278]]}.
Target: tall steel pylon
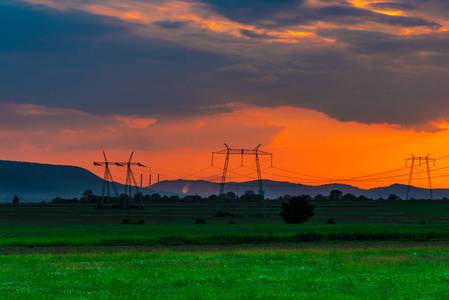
{"points": [[106, 180], [130, 179], [256, 152], [426, 160]]}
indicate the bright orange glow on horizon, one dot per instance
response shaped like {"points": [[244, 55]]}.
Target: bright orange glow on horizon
{"points": [[308, 147]]}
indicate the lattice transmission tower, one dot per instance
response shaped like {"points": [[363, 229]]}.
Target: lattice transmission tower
{"points": [[107, 180], [130, 181], [256, 152], [420, 160]]}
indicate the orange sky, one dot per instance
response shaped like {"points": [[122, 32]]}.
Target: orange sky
{"points": [[308, 147]]}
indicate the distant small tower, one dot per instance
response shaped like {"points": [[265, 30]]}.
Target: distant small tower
{"points": [[414, 160]]}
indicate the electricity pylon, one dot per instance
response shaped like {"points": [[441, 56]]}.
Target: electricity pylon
{"points": [[130, 179], [107, 179], [256, 152], [426, 160]]}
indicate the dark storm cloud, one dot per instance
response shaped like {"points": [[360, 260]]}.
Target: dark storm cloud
{"points": [[297, 13], [249, 11], [254, 35], [72, 59], [26, 28], [167, 24], [371, 42], [354, 15]]}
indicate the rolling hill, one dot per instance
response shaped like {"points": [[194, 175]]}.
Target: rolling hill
{"points": [[34, 182]]}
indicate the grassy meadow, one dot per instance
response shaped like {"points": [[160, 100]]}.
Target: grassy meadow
{"points": [[48, 225], [318, 273], [375, 250]]}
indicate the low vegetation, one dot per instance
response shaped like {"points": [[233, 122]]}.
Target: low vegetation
{"points": [[266, 257], [314, 273], [297, 210]]}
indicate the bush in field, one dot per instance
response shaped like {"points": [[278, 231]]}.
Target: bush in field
{"points": [[201, 221], [139, 222], [422, 222], [297, 210], [393, 197], [225, 214]]}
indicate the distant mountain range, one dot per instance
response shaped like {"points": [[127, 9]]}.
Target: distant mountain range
{"points": [[34, 182], [274, 189]]}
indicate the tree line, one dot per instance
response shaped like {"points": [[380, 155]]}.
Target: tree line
{"points": [[249, 196]]}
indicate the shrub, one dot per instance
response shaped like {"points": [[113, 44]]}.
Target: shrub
{"points": [[139, 222], [422, 222], [297, 210], [224, 214], [330, 221], [201, 221]]}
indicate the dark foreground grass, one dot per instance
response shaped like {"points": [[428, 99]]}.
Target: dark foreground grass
{"points": [[48, 236], [319, 273], [48, 225]]}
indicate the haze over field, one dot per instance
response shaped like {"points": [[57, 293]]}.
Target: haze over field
{"points": [[336, 90]]}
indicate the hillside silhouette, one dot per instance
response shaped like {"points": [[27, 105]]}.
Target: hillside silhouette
{"points": [[34, 182]]}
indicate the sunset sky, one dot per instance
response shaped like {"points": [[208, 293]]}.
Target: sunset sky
{"points": [[338, 91]]}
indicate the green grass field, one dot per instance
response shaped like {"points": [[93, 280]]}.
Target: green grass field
{"points": [[319, 273], [50, 251], [39, 225]]}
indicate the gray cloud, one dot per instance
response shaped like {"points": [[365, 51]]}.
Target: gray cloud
{"points": [[249, 11], [72, 59], [297, 13], [371, 42], [254, 35], [167, 24], [98, 66]]}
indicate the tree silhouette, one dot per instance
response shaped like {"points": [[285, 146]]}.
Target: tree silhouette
{"points": [[348, 197], [393, 197], [297, 210], [16, 199], [335, 195], [88, 194]]}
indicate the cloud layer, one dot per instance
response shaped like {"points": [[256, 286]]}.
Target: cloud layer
{"points": [[375, 62]]}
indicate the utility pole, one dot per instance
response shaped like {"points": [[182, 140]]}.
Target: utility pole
{"points": [[420, 160], [256, 152]]}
